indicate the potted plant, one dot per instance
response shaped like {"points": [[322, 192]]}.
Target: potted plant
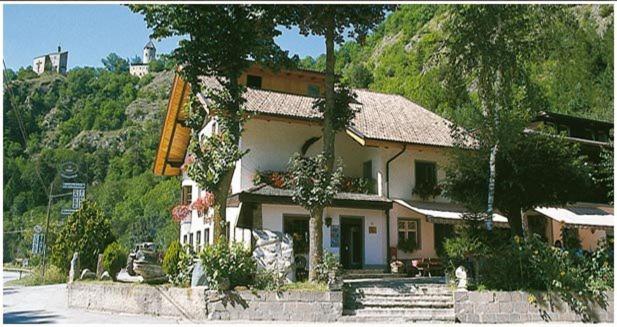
{"points": [[427, 190], [407, 244], [181, 213]]}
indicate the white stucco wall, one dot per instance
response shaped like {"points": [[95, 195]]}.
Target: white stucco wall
{"points": [[374, 244], [427, 233]]}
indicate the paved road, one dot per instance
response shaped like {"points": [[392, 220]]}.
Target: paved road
{"points": [[47, 304]]}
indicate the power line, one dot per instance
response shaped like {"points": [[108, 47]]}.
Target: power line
{"points": [[20, 122]]}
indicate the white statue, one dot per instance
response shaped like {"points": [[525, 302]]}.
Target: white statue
{"points": [[74, 267], [461, 276]]}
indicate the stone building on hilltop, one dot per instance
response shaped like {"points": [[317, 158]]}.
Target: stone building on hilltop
{"points": [[52, 62], [141, 69]]}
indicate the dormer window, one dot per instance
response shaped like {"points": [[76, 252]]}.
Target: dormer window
{"points": [[253, 81], [313, 91]]}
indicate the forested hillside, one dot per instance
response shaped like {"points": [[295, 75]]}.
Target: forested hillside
{"points": [[105, 121], [575, 75]]}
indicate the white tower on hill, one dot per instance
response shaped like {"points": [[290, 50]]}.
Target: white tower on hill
{"points": [[149, 53]]}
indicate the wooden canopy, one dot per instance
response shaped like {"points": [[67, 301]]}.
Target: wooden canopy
{"points": [[175, 135]]}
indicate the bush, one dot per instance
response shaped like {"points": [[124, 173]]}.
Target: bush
{"points": [[114, 259], [533, 265], [53, 275], [227, 266], [182, 273], [87, 231], [171, 258], [329, 264]]}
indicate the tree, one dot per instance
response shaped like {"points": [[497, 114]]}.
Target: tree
{"points": [[332, 22], [221, 40], [530, 173], [115, 63], [87, 231], [488, 48]]}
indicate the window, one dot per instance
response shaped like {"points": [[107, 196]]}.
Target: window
{"points": [[367, 169], [227, 231], [207, 236], [313, 91], [426, 173], [191, 239], [409, 229], [563, 129], [187, 194], [184, 240], [601, 136], [253, 81], [198, 241], [213, 127]]}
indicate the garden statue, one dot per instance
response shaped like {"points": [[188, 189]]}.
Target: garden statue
{"points": [[395, 265], [99, 266], [461, 277], [87, 274], [74, 267], [143, 261]]}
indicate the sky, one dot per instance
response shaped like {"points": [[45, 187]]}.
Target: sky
{"points": [[91, 32]]}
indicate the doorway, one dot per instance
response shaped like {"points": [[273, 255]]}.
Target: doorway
{"points": [[352, 242]]}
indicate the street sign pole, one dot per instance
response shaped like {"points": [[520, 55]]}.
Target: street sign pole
{"points": [[51, 188]]}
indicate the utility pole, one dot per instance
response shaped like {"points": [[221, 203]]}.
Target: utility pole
{"points": [[51, 187]]}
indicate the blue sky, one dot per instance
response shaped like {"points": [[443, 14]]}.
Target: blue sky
{"points": [[91, 32]]}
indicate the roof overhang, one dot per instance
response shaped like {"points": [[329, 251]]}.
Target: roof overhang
{"points": [[175, 135], [597, 216], [445, 213]]}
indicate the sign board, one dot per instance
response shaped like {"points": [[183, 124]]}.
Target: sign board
{"points": [[79, 186], [37, 243], [67, 211], [68, 170], [372, 229], [78, 197], [335, 236], [38, 229]]}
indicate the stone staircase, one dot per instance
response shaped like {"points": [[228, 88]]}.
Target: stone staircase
{"points": [[398, 300]]}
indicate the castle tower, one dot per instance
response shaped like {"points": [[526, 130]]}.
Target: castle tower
{"points": [[149, 53]]}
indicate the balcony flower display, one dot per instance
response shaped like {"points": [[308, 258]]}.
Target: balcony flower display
{"points": [[427, 190], [181, 213], [203, 203], [278, 179]]}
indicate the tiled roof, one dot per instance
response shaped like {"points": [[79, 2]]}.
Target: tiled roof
{"points": [[385, 117]]}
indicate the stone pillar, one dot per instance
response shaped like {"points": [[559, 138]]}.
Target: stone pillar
{"points": [[99, 267], [74, 267]]}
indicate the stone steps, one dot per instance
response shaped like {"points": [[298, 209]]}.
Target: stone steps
{"points": [[401, 300], [386, 314]]}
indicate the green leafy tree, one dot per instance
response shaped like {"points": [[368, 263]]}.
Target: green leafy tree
{"points": [[529, 174], [332, 22], [488, 49], [220, 41], [115, 63], [87, 231]]}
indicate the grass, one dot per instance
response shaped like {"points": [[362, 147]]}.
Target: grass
{"points": [[305, 286], [53, 275]]}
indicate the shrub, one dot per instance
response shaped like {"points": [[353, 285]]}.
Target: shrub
{"points": [[329, 264], [114, 259], [171, 258], [53, 275], [87, 231], [184, 267], [227, 266]]}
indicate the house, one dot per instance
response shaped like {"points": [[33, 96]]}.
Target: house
{"points": [[591, 221], [394, 154], [52, 62]]}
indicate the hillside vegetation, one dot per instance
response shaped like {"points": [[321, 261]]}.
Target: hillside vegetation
{"points": [[108, 123], [575, 74]]}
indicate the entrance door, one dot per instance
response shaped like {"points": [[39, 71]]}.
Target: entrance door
{"points": [[352, 242]]}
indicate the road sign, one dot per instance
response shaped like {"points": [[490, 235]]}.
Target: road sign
{"points": [[37, 243], [68, 170], [38, 229], [67, 211], [78, 196], [74, 186]]}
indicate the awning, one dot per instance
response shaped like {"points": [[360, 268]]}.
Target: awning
{"points": [[445, 213], [583, 215]]}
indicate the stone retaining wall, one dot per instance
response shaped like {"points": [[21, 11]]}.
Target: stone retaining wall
{"points": [[198, 304], [515, 307]]}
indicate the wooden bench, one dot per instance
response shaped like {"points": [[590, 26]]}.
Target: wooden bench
{"points": [[426, 266]]}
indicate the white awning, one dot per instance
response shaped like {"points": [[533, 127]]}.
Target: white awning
{"points": [[444, 213], [584, 215]]}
